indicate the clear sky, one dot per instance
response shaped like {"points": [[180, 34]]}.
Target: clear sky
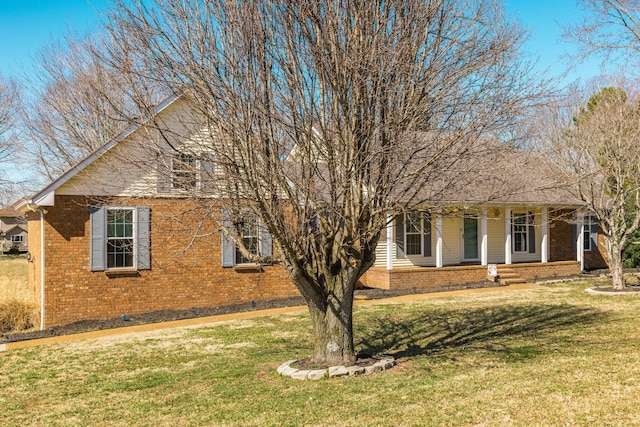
{"points": [[28, 25]]}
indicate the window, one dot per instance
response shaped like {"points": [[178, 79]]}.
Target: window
{"points": [[254, 237], [184, 172], [523, 230], [590, 233], [17, 239], [249, 232], [120, 249], [120, 238], [413, 234]]}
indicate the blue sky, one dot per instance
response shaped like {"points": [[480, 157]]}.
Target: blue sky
{"points": [[28, 25]]}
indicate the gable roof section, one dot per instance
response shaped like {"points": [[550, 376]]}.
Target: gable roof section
{"points": [[45, 197]]}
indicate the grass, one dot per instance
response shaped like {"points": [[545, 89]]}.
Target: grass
{"points": [[553, 356]]}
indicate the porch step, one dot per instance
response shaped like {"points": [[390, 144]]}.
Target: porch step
{"points": [[507, 276]]}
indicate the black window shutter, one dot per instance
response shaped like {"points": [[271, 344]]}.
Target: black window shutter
{"points": [[427, 234], [400, 236], [532, 232], [594, 234]]}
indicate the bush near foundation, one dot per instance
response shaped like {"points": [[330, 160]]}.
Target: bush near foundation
{"points": [[18, 315]]}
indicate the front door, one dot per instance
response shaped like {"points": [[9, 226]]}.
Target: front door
{"points": [[470, 238]]}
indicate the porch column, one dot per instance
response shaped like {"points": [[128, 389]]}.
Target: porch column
{"points": [[438, 240], [390, 224], [544, 245], [484, 244], [507, 234], [580, 240]]}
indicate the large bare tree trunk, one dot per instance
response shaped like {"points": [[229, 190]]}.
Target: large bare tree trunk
{"points": [[331, 317], [615, 267]]}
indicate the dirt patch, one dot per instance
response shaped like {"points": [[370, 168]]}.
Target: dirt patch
{"points": [[169, 315]]}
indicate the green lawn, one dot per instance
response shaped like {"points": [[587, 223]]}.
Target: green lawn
{"points": [[554, 356]]}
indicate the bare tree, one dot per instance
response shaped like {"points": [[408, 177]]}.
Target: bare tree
{"points": [[323, 118], [596, 152], [610, 28], [10, 144], [77, 102]]}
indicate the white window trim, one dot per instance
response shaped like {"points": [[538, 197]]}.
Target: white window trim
{"points": [[199, 172], [258, 245], [420, 232], [587, 222], [20, 240], [528, 220], [134, 238]]}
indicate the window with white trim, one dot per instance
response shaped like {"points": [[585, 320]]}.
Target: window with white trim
{"points": [[19, 238], [250, 236], [246, 227], [184, 173], [523, 232], [120, 239], [590, 233], [520, 232], [414, 226]]}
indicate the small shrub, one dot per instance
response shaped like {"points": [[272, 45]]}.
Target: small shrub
{"points": [[15, 250], [18, 315]]}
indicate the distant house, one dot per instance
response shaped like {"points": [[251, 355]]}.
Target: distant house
{"points": [[13, 231], [106, 240]]}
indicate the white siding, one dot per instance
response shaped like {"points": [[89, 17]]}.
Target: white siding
{"points": [[129, 168], [452, 241]]}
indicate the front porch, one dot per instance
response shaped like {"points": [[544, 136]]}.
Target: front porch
{"points": [[462, 276]]}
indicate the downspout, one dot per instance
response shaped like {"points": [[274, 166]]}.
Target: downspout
{"points": [[42, 212]]}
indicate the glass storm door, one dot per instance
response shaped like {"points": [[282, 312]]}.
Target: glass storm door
{"points": [[470, 238]]}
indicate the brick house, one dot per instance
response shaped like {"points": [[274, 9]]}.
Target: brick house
{"points": [[107, 239]]}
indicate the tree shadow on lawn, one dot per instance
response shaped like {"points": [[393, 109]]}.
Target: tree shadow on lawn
{"points": [[513, 332]]}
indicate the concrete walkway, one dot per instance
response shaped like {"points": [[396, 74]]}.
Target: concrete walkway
{"points": [[246, 315]]}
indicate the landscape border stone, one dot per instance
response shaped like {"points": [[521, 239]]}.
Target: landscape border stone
{"points": [[380, 363]]}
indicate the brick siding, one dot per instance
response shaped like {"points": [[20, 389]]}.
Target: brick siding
{"points": [[184, 273]]}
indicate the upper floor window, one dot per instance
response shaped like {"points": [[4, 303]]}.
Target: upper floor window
{"points": [[184, 171], [17, 238]]}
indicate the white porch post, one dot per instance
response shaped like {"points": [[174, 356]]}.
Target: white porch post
{"points": [[544, 245], [439, 240], [580, 241], [390, 224], [507, 233], [484, 245]]}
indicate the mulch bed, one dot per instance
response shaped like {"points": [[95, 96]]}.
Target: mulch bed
{"points": [[169, 315]]}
